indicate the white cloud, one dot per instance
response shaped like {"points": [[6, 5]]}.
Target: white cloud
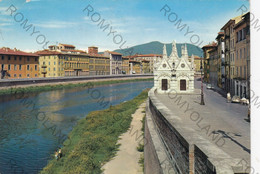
{"points": [[31, 1], [150, 29], [29, 50], [5, 24], [103, 9], [55, 24]]}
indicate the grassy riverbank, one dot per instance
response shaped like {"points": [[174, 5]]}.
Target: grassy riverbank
{"points": [[16, 90], [94, 139]]}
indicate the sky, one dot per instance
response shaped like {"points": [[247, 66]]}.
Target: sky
{"points": [[133, 22]]}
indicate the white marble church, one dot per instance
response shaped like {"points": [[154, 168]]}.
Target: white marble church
{"points": [[174, 74]]}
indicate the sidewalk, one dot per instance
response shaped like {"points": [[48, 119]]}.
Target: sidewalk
{"points": [[126, 160]]}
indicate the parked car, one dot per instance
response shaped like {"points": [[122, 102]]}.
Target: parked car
{"points": [[244, 101], [208, 86], [235, 99]]}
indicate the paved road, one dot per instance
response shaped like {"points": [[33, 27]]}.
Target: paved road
{"points": [[218, 116]]}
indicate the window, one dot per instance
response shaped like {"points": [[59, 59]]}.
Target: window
{"points": [[28, 59], [35, 67], [20, 75], [9, 57], [244, 53], [54, 69], [240, 71], [35, 75], [15, 67], [3, 57], [14, 75], [54, 74], [20, 67], [36, 59], [28, 75], [9, 67], [49, 63], [244, 71], [49, 69], [20, 58], [15, 59], [54, 63], [28, 67], [237, 54], [240, 53], [3, 66], [237, 71]]}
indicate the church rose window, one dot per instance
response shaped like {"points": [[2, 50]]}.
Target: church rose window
{"points": [[183, 65], [164, 65]]}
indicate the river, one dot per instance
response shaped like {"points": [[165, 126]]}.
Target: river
{"points": [[27, 139]]}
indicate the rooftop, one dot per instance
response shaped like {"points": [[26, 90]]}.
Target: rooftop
{"points": [[114, 53], [8, 51]]}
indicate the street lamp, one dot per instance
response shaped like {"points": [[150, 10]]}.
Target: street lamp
{"points": [[202, 95]]}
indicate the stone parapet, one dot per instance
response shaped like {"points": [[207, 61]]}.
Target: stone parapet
{"points": [[170, 142]]}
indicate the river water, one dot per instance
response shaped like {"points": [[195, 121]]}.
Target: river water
{"points": [[29, 123]]}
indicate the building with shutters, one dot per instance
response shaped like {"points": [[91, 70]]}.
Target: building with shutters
{"points": [[16, 64]]}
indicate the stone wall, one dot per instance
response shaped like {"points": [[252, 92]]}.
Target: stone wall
{"points": [[174, 149]]}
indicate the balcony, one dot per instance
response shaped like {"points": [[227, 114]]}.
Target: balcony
{"points": [[226, 49], [227, 36], [44, 66], [44, 72]]}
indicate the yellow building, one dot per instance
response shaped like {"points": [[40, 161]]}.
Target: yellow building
{"points": [[206, 50], [134, 67], [197, 62], [152, 58], [99, 65], [50, 63], [230, 46], [76, 64], [221, 60], [57, 64], [125, 65], [242, 57], [146, 67], [213, 66]]}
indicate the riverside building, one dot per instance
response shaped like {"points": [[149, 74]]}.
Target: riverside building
{"points": [[15, 64]]}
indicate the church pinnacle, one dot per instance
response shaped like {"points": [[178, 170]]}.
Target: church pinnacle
{"points": [[185, 51], [164, 52], [174, 53]]}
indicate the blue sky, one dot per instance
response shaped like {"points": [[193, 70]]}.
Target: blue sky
{"points": [[63, 21]]}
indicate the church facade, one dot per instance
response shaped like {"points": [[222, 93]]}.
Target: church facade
{"points": [[174, 74]]}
